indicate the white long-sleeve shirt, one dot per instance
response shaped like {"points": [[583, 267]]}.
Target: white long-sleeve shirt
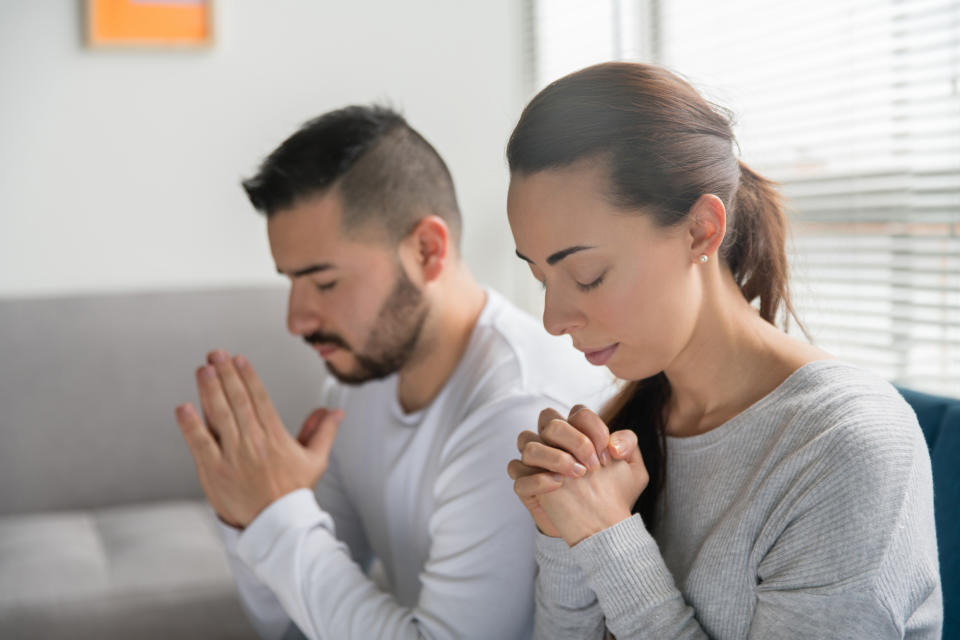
{"points": [[425, 496]]}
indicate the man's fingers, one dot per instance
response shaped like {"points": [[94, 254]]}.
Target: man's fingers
{"points": [[235, 391], [216, 409], [262, 403], [589, 424], [623, 446], [202, 445], [559, 433]]}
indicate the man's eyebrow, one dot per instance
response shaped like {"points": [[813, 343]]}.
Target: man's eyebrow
{"points": [[314, 268], [558, 256]]}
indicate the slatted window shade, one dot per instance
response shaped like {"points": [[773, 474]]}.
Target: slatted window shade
{"points": [[854, 107]]}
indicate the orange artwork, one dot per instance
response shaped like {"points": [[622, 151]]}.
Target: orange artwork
{"points": [[151, 23]]}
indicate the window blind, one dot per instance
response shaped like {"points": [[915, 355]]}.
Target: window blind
{"points": [[854, 107]]}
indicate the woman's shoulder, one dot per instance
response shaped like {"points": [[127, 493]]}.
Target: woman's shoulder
{"points": [[835, 386], [847, 410]]}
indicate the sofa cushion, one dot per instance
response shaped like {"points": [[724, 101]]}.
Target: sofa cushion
{"points": [[939, 418], [946, 504], [88, 385], [146, 571]]}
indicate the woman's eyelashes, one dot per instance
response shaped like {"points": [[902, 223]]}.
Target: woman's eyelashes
{"points": [[592, 285], [580, 285]]}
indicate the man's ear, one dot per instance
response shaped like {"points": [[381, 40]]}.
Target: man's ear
{"points": [[429, 244], [708, 226]]}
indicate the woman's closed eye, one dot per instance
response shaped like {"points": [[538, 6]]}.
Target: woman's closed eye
{"points": [[593, 284]]}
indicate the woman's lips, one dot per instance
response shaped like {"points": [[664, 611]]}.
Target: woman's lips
{"points": [[600, 357]]}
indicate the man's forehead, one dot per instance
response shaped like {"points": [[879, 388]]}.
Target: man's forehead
{"points": [[305, 242]]}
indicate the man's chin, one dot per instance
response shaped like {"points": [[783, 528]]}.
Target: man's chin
{"points": [[352, 378]]}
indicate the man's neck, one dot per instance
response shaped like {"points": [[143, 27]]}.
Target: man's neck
{"points": [[445, 336]]}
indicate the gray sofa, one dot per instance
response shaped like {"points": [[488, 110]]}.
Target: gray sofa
{"points": [[103, 530]]}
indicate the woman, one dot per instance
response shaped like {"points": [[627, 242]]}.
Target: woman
{"points": [[753, 486]]}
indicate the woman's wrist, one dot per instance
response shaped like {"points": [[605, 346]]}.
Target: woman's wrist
{"points": [[582, 530]]}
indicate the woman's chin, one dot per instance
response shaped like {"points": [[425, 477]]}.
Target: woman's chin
{"points": [[632, 371]]}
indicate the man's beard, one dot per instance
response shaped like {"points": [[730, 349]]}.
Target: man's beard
{"points": [[392, 340]]}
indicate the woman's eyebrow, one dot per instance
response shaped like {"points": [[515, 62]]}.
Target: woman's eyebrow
{"points": [[558, 256]]}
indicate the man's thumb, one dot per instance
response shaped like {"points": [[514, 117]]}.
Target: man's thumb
{"points": [[310, 425], [323, 432]]}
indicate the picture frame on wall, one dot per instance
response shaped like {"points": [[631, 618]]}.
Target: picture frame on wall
{"points": [[159, 24]]}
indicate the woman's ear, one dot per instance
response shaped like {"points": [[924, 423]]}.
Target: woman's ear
{"points": [[429, 246], [708, 226]]}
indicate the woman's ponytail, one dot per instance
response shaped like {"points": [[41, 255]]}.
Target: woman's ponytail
{"points": [[754, 247]]}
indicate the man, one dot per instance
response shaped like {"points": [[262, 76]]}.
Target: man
{"points": [[413, 530]]}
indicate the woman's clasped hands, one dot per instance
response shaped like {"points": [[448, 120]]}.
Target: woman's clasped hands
{"points": [[574, 476]]}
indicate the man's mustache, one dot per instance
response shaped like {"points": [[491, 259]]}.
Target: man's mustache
{"points": [[318, 337]]}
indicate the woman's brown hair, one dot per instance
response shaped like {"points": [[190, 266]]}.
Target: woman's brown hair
{"points": [[665, 146]]}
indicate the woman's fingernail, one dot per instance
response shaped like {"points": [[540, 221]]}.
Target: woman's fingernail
{"points": [[604, 457], [240, 361], [557, 477], [208, 372], [594, 461], [579, 470]]}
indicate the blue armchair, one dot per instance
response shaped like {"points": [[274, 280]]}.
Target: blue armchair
{"points": [[939, 418]]}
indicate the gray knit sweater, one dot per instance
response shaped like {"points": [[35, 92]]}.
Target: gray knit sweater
{"points": [[809, 515]]}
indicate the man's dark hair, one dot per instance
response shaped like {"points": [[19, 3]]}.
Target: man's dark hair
{"points": [[388, 175]]}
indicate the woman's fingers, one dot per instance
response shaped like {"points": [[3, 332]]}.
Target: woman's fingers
{"points": [[516, 469], [545, 417], [623, 446], [561, 434], [525, 438], [532, 481], [539, 457], [537, 454], [531, 486], [590, 425]]}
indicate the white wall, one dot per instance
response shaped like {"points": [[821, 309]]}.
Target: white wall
{"points": [[119, 170]]}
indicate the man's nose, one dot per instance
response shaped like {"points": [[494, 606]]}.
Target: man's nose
{"points": [[302, 316]]}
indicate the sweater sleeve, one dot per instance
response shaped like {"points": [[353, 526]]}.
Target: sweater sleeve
{"points": [[566, 608], [847, 549], [855, 552], [477, 581]]}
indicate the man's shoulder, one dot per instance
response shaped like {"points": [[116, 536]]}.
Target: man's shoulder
{"points": [[511, 354]]}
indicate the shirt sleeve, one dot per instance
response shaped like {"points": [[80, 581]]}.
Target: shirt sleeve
{"points": [[261, 605], [849, 551], [477, 581]]}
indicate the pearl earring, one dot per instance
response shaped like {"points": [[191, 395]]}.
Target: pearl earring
{"points": [[703, 258]]}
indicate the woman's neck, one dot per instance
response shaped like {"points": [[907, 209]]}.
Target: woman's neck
{"points": [[733, 359]]}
